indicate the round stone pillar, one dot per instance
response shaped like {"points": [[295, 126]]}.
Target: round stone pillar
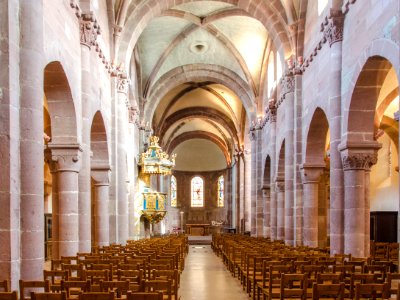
{"points": [[311, 175], [101, 179], [288, 103], [266, 196], [67, 165], [122, 193], [273, 204], [88, 35], [357, 162], [31, 140], [280, 209], [54, 205], [333, 32]]}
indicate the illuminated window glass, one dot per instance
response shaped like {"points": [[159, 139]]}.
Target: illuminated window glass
{"points": [[271, 73], [197, 192], [278, 66], [173, 191], [321, 6], [221, 191]]}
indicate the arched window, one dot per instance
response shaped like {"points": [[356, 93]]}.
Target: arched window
{"points": [[271, 73], [173, 191], [278, 66], [221, 191], [197, 192], [321, 6]]}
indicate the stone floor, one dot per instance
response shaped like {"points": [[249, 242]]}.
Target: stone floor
{"points": [[206, 278]]}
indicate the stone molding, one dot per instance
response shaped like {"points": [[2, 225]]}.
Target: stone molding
{"points": [[101, 175], [311, 173], [333, 30], [64, 157], [88, 30]]}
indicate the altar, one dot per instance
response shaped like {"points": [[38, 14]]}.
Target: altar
{"points": [[197, 229]]}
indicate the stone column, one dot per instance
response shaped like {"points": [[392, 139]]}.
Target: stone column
{"points": [[247, 189], [31, 140], [288, 96], [280, 209], [54, 203], [257, 205], [367, 211], [88, 35], [67, 164], [238, 206], [298, 146], [311, 175], [101, 177], [122, 199], [274, 159], [355, 163], [333, 32], [266, 193]]}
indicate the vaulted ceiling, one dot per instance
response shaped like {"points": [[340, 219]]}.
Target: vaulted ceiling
{"points": [[198, 68]]}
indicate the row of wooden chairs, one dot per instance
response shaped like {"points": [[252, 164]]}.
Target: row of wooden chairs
{"points": [[260, 265], [84, 296]]}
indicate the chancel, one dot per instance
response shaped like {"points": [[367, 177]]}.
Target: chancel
{"points": [[208, 149]]}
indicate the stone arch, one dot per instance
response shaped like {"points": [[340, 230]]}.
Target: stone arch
{"points": [[369, 74], [98, 140], [316, 138], [198, 73], [280, 194], [271, 14], [280, 170], [267, 172], [100, 168], [200, 135], [61, 106], [201, 113]]}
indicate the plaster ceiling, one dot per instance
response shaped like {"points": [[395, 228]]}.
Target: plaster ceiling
{"points": [[203, 34]]}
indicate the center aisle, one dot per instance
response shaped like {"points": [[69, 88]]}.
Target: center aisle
{"points": [[205, 277]]}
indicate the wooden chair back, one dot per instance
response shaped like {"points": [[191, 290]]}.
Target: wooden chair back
{"points": [[164, 286], [25, 287], [144, 296], [97, 296], [118, 287], [49, 296], [293, 285], [372, 291], [9, 295], [4, 286], [328, 291]]}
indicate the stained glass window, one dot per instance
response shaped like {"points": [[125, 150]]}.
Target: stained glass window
{"points": [[221, 191], [197, 192], [173, 191]]}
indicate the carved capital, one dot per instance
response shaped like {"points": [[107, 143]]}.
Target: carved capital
{"points": [[333, 30], [359, 155], [133, 115], [89, 29], [311, 173], [359, 161], [279, 185], [271, 111], [63, 157], [122, 84]]}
